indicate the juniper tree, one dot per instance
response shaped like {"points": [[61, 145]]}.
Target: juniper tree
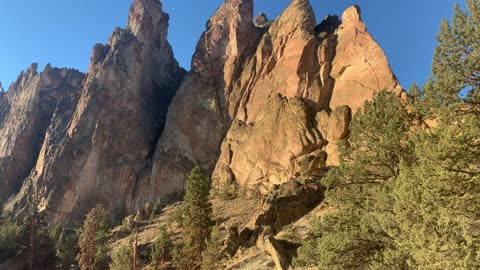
{"points": [[122, 258], [455, 82], [212, 256], [162, 247], [65, 247], [93, 240], [197, 221], [352, 236], [437, 199]]}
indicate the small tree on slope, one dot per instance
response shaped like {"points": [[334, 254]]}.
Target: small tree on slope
{"points": [[93, 240], [197, 221]]}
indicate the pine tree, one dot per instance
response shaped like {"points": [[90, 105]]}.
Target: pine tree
{"points": [[93, 240], [212, 256], [197, 221], [122, 258], [13, 237], [437, 200], [65, 247], [354, 235], [441, 229], [162, 247], [40, 243], [455, 82]]}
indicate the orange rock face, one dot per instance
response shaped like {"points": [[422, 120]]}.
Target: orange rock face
{"points": [[333, 68], [360, 67], [25, 114], [207, 99], [239, 71], [99, 149], [263, 104]]}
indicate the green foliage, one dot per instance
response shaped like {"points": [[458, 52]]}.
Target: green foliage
{"points": [[197, 221], [93, 240], [440, 229], [65, 247], [155, 209], [13, 237], [403, 197], [162, 247], [455, 68], [176, 216], [354, 235], [212, 256], [122, 259]]}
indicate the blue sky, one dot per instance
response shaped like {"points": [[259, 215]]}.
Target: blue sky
{"points": [[63, 32]]}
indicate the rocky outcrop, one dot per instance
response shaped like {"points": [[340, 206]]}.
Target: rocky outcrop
{"points": [[265, 102], [331, 68], [360, 67], [287, 203], [205, 104], [26, 111], [262, 21], [334, 126], [281, 143], [99, 152]]}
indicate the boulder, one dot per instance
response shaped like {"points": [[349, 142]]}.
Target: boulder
{"points": [[334, 127], [287, 203], [261, 21]]}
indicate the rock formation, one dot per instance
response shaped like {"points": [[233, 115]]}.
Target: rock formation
{"points": [[360, 66], [26, 111], [201, 112], [265, 102], [332, 68], [280, 144], [99, 151]]}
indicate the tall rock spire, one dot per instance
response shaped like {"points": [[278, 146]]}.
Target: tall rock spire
{"points": [[26, 111], [203, 108], [360, 67], [100, 152], [325, 66]]}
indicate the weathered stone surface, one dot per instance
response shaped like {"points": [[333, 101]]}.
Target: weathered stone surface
{"points": [[25, 114], [265, 102], [334, 127], [269, 151], [202, 110], [285, 62], [360, 67], [287, 203], [99, 152], [326, 66], [272, 247], [261, 21]]}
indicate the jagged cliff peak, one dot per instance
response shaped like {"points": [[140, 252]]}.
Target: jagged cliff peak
{"points": [[98, 149], [147, 21], [352, 15], [26, 112], [114, 142], [298, 14]]}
